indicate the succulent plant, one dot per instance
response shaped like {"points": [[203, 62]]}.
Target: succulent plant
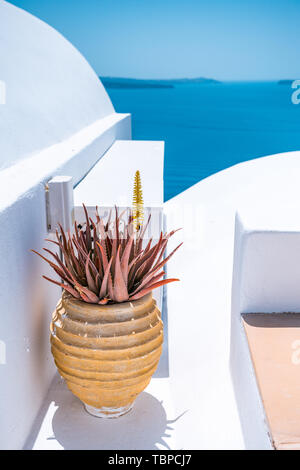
{"points": [[101, 265]]}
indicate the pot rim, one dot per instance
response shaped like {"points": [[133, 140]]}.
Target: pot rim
{"points": [[124, 311], [122, 305]]}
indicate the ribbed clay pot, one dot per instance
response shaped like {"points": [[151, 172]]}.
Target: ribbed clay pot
{"points": [[106, 353]]}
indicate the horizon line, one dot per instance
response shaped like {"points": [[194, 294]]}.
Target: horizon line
{"points": [[200, 77]]}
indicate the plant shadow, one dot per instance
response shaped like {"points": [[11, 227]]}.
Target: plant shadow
{"points": [[145, 427]]}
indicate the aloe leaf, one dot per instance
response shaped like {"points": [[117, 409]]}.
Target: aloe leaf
{"points": [[125, 259], [103, 255], [59, 271], [149, 280], [162, 263], [150, 288], [63, 236], [87, 230], [104, 285], [66, 287], [140, 237], [119, 287], [66, 271], [149, 261], [108, 222], [90, 281], [98, 260], [93, 298]]}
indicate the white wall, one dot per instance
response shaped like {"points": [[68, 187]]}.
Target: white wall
{"points": [[270, 277], [51, 91], [266, 279], [57, 120], [251, 410]]}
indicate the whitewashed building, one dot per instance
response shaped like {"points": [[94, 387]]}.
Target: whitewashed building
{"points": [[57, 120]]}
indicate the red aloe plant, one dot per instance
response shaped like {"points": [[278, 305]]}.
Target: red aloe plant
{"points": [[101, 265]]}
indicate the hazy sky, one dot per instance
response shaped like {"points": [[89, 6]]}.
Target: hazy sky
{"points": [[223, 39]]}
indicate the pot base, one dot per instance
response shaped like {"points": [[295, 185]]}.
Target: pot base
{"points": [[108, 412]]}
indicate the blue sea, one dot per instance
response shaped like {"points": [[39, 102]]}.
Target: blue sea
{"points": [[209, 127]]}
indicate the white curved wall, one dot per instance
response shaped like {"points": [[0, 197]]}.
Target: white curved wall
{"points": [[266, 193], [51, 91]]}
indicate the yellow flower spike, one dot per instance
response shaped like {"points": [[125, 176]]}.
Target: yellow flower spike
{"points": [[137, 202]]}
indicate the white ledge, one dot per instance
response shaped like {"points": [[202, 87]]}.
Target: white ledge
{"points": [[110, 182], [64, 156]]}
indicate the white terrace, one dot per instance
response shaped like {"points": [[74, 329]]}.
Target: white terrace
{"points": [[57, 121]]}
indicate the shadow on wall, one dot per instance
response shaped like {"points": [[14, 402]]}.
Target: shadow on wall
{"points": [[145, 427]]}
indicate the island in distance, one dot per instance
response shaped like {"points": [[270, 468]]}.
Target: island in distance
{"points": [[118, 82], [286, 82]]}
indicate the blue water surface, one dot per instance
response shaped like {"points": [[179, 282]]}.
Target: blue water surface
{"points": [[209, 127]]}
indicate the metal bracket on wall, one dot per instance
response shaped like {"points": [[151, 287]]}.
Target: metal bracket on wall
{"points": [[60, 203]]}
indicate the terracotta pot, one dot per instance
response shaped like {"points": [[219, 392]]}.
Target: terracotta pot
{"points": [[106, 353]]}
